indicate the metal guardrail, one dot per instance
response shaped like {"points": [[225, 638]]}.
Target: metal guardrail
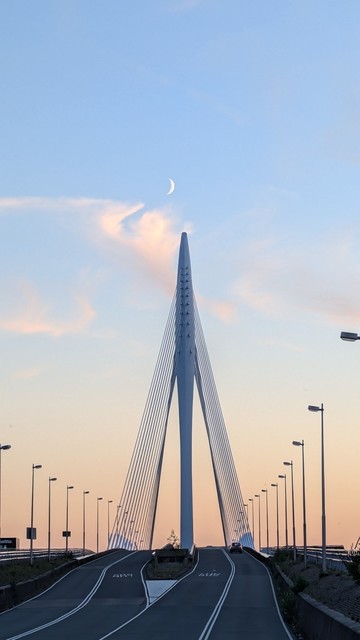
{"points": [[11, 555], [335, 556]]}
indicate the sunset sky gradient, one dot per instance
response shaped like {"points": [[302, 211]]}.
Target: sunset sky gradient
{"points": [[253, 110]]}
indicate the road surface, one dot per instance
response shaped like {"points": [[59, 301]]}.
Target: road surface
{"points": [[224, 597]]}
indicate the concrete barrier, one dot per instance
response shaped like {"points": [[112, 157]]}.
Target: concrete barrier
{"points": [[319, 622], [314, 619], [11, 595]]}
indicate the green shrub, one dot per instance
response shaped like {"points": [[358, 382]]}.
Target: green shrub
{"points": [[283, 555], [300, 584], [352, 564], [287, 604]]}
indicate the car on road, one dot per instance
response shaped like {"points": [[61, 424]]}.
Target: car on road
{"points": [[236, 547]]}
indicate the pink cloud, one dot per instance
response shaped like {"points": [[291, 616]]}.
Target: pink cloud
{"points": [[150, 239], [34, 316], [27, 374], [223, 310]]}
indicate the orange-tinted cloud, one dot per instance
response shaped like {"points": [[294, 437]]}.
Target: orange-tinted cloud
{"points": [[224, 310], [147, 242], [150, 238], [34, 316]]}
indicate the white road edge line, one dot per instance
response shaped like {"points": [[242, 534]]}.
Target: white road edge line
{"points": [[76, 609], [211, 621], [124, 624], [275, 599], [38, 595]]}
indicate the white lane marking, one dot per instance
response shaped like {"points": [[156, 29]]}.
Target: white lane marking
{"points": [[156, 588], [76, 609], [275, 599], [210, 623], [149, 605], [38, 595]]}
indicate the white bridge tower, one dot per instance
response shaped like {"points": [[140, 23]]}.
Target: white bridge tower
{"points": [[183, 359]]}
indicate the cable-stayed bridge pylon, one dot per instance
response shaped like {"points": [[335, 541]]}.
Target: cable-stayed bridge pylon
{"points": [[183, 360]]}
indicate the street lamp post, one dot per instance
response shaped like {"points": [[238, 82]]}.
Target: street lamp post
{"points": [[323, 516], [3, 447], [286, 518], [49, 519], [301, 444], [267, 519], [118, 511], [35, 466], [258, 495], [97, 524], [67, 532], [290, 464], [275, 484], [108, 520], [252, 519], [85, 493]]}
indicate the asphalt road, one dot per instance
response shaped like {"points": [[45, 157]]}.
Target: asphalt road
{"points": [[223, 598]]}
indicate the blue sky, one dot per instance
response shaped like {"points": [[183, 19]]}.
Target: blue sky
{"points": [[253, 110]]}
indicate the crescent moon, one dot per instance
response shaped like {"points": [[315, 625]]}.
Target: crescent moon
{"points": [[172, 187]]}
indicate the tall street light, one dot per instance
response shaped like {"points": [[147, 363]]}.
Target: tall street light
{"points": [[124, 530], [108, 520], [3, 447], [118, 511], [301, 444], [275, 484], [267, 519], [252, 513], [85, 493], [290, 464], [67, 532], [49, 518], [258, 495], [286, 518], [97, 524], [323, 516], [32, 533]]}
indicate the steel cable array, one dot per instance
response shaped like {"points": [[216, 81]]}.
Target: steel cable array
{"points": [[232, 510], [135, 519], [138, 501]]}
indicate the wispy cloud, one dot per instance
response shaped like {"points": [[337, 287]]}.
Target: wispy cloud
{"points": [[27, 374], [225, 311], [32, 203], [34, 316], [311, 280], [149, 239], [144, 242]]}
